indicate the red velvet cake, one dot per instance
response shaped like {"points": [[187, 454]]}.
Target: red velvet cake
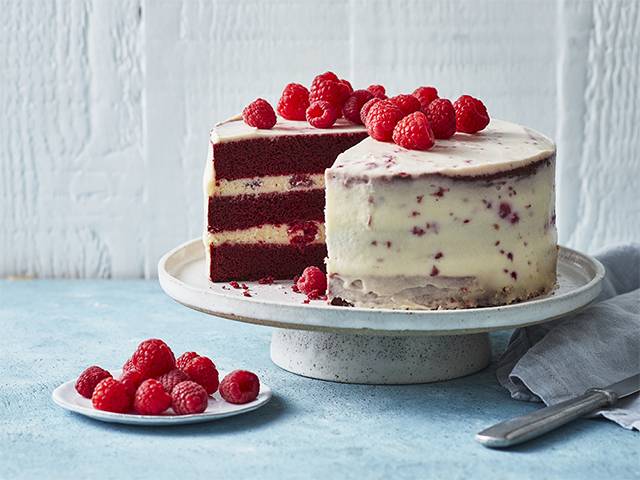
{"points": [[264, 192]]}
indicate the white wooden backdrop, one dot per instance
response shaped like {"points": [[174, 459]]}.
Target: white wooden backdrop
{"points": [[106, 105]]}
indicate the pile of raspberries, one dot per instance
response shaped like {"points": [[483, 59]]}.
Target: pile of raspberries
{"points": [[152, 381], [411, 121]]}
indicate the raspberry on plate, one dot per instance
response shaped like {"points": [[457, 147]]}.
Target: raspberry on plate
{"points": [[407, 103], [189, 397], [240, 386], [153, 357], [378, 91], [471, 114], [186, 357], [442, 118], [347, 84], [425, 95], [382, 119], [321, 114], [131, 379], [413, 132], [312, 280], [365, 109], [172, 378], [111, 396], [203, 371], [259, 114], [128, 365], [323, 76], [294, 102], [151, 398], [352, 107], [89, 378]]}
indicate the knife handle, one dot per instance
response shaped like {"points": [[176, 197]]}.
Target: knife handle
{"points": [[532, 425]]}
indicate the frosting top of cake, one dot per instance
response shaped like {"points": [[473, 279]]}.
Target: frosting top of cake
{"points": [[236, 129], [501, 147]]}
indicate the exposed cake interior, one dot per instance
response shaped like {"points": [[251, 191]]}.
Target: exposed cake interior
{"points": [[264, 197], [468, 223]]}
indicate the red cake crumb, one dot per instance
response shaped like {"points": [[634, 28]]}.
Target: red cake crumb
{"points": [[266, 280], [259, 114], [413, 132], [240, 386], [471, 114], [442, 118], [514, 275], [322, 114], [434, 271], [378, 91], [302, 233], [246, 294], [234, 284], [294, 102], [245, 286], [439, 255], [440, 192], [425, 95]]}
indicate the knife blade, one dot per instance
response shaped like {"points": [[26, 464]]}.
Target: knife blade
{"points": [[532, 425]]}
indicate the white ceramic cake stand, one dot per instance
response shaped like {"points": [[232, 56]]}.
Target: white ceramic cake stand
{"points": [[378, 346]]}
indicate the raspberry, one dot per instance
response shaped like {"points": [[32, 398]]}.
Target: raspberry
{"points": [[378, 91], [186, 357], [382, 119], [323, 76], [111, 396], [240, 386], [312, 280], [413, 132], [471, 114], [131, 379], [128, 365], [321, 114], [442, 118], [346, 83], [365, 109], [153, 357], [352, 107], [294, 102], [189, 397], [259, 114], [151, 398], [334, 92], [203, 371], [87, 381], [407, 103], [425, 95], [172, 378]]}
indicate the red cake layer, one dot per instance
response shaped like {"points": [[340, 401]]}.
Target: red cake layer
{"points": [[283, 155], [256, 261], [244, 211]]}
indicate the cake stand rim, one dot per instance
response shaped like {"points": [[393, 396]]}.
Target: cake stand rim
{"points": [[442, 322]]}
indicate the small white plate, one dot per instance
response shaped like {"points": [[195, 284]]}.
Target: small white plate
{"points": [[67, 397]]}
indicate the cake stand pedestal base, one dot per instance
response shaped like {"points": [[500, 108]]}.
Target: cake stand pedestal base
{"points": [[379, 359]]}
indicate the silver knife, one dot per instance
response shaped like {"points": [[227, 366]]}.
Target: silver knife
{"points": [[541, 421]]}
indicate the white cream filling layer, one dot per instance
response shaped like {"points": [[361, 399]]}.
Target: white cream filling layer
{"points": [[259, 185], [273, 234]]}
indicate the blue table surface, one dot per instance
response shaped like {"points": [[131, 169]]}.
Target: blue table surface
{"points": [[52, 329]]}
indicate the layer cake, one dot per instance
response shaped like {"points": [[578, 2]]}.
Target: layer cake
{"points": [[469, 223], [264, 197]]}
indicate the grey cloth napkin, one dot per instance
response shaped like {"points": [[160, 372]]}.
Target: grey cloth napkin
{"points": [[595, 347]]}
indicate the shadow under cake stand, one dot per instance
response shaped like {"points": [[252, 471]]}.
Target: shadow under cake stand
{"points": [[375, 346]]}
